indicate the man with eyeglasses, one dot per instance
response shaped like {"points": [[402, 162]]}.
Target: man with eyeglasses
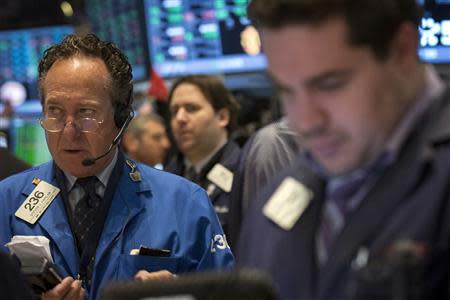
{"points": [[106, 216]]}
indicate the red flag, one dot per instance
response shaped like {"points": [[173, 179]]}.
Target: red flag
{"points": [[157, 88]]}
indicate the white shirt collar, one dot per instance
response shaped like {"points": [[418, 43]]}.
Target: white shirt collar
{"points": [[199, 166]]}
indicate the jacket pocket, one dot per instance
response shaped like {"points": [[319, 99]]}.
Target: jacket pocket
{"points": [[129, 265]]}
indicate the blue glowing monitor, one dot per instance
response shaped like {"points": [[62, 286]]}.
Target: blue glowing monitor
{"points": [[21, 50], [435, 31]]}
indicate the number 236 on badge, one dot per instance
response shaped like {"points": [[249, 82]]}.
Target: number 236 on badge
{"points": [[37, 202]]}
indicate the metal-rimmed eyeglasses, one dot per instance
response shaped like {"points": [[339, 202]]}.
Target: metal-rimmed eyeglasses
{"points": [[87, 125]]}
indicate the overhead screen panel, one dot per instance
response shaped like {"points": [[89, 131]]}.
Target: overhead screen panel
{"points": [[201, 37], [21, 50], [208, 36], [121, 22], [435, 31], [20, 53]]}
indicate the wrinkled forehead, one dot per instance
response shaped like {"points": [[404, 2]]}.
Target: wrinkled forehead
{"points": [[77, 74]]}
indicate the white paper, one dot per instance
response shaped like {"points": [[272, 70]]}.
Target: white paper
{"points": [[27, 247]]}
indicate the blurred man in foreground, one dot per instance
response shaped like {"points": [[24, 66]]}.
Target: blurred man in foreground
{"points": [[373, 185]]}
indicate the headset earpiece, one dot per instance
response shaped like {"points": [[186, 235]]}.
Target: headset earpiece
{"points": [[121, 115], [122, 112]]}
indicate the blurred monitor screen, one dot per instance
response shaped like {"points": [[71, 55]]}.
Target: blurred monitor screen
{"points": [[121, 22], [201, 37], [435, 31], [27, 136], [216, 36], [21, 50]]}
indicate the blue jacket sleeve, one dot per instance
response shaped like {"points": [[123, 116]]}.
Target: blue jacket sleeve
{"points": [[212, 250]]}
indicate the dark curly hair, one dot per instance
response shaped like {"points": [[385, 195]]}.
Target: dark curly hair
{"points": [[371, 23], [215, 92], [116, 62]]}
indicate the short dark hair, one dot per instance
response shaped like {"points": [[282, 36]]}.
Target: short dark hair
{"points": [[214, 90], [116, 62], [371, 23]]}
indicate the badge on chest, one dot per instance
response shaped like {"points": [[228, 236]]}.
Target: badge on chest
{"points": [[221, 176], [37, 202], [288, 203]]}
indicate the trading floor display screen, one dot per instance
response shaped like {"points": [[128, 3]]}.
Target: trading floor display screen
{"points": [[27, 137], [202, 37], [21, 50], [435, 31], [29, 142], [121, 22]]}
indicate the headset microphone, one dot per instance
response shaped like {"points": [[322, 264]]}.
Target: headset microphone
{"points": [[90, 161]]}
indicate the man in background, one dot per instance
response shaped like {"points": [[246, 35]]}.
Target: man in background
{"points": [[146, 140], [365, 212], [9, 163], [203, 116]]}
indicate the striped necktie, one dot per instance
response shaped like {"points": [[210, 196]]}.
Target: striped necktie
{"points": [[336, 209]]}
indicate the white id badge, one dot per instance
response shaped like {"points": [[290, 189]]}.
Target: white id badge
{"points": [[37, 202], [221, 176], [288, 203]]}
